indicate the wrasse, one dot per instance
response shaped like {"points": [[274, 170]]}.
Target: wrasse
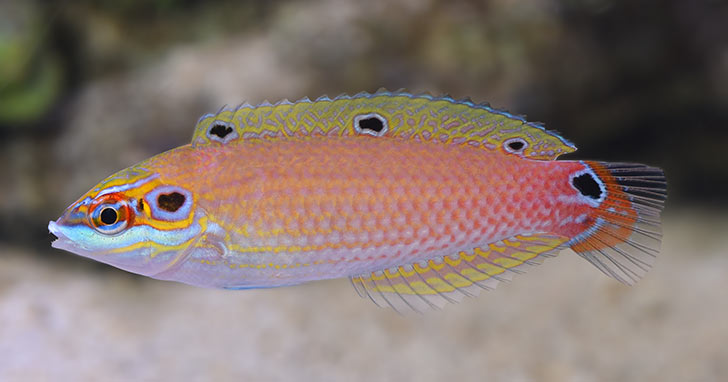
{"points": [[418, 200]]}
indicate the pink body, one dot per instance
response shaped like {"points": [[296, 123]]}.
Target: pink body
{"points": [[288, 211]]}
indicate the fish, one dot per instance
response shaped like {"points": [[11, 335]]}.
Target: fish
{"points": [[419, 200]]}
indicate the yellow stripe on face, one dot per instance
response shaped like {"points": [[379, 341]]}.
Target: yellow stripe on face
{"points": [[157, 247], [144, 214]]}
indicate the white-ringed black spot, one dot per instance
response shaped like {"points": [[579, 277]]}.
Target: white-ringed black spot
{"points": [[587, 186], [371, 123], [515, 145], [220, 130], [170, 202], [108, 216]]}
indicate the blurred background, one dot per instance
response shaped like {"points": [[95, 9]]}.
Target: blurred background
{"points": [[91, 87]]}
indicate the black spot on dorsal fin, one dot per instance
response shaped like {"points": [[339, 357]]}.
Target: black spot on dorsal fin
{"points": [[372, 123], [220, 130], [586, 184], [170, 202], [516, 145]]}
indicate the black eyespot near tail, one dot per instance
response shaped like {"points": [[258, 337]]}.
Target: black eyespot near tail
{"points": [[624, 239], [587, 185]]}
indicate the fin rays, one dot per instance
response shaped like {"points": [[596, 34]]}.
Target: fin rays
{"points": [[421, 287], [624, 245]]}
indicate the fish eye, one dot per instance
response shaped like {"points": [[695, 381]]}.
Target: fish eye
{"points": [[110, 216]]}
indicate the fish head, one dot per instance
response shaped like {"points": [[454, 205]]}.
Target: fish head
{"points": [[132, 220]]}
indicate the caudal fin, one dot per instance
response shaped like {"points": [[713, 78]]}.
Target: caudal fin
{"points": [[624, 240]]}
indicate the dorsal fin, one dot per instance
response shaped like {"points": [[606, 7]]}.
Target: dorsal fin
{"points": [[429, 285], [389, 114]]}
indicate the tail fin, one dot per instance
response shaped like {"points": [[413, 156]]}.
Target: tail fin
{"points": [[624, 240]]}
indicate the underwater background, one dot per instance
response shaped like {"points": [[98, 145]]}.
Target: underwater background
{"points": [[90, 87]]}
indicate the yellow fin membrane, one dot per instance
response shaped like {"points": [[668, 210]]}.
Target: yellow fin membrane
{"points": [[399, 114], [428, 285]]}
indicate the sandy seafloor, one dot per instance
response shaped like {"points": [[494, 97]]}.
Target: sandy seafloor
{"points": [[563, 321]]}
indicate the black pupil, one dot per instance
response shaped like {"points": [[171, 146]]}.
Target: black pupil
{"points": [[515, 145], [372, 123], [586, 184], [108, 216], [221, 130]]}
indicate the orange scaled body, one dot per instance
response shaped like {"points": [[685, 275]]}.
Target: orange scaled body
{"points": [[309, 209]]}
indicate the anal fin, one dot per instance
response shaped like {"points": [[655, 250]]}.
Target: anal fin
{"points": [[430, 284]]}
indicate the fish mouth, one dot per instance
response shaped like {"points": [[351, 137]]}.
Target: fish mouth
{"points": [[64, 242], [61, 241]]}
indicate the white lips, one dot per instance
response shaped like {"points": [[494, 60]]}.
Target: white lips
{"points": [[62, 241]]}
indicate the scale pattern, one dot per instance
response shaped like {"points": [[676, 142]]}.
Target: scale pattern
{"points": [[306, 209]]}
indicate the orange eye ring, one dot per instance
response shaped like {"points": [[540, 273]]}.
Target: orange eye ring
{"points": [[110, 214]]}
